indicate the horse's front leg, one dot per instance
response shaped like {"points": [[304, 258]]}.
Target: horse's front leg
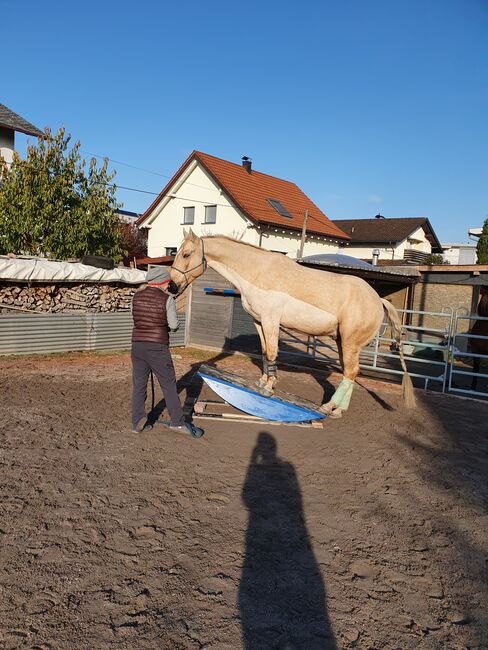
{"points": [[271, 331], [264, 377]]}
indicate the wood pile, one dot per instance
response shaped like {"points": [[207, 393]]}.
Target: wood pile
{"points": [[40, 298]]}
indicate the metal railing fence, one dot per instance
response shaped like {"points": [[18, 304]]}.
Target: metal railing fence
{"points": [[431, 351]]}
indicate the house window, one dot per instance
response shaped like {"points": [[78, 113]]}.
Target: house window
{"points": [[210, 214], [189, 215], [171, 252]]}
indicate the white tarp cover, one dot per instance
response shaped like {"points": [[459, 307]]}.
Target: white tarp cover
{"points": [[39, 270]]}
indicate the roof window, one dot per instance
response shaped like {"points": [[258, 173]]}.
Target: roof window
{"points": [[279, 208]]}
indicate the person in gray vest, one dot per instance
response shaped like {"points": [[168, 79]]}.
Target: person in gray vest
{"points": [[154, 314]]}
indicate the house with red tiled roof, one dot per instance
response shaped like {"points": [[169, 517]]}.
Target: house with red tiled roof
{"points": [[214, 196]]}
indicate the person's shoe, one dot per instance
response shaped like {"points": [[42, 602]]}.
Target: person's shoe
{"points": [[189, 427], [140, 426]]}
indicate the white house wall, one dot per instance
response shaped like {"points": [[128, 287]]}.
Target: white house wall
{"points": [[289, 243], [416, 241], [197, 189], [7, 139]]}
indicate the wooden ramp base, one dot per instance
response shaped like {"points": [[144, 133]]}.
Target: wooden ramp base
{"points": [[253, 405], [210, 410]]}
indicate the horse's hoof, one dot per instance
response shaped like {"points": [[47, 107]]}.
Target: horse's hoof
{"points": [[336, 414], [331, 410], [262, 390], [326, 408]]}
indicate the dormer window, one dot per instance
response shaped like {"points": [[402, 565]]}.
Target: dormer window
{"points": [[280, 209]]}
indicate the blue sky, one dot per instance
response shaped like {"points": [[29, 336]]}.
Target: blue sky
{"points": [[378, 106]]}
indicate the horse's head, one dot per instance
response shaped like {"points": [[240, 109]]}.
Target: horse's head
{"points": [[189, 262]]}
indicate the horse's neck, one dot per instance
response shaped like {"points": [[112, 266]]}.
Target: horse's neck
{"points": [[225, 260]]}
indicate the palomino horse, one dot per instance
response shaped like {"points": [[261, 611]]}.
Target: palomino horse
{"points": [[480, 328], [276, 291]]}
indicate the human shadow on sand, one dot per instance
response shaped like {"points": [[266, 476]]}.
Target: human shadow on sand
{"points": [[282, 599]]}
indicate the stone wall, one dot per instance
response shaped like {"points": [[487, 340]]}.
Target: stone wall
{"points": [[438, 297]]}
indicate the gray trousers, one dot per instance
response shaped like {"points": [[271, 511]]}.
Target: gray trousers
{"points": [[147, 356]]}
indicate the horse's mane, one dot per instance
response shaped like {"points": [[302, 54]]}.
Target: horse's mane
{"points": [[236, 241]]}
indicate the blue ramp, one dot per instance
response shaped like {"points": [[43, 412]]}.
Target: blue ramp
{"points": [[245, 396]]}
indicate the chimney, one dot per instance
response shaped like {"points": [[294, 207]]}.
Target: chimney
{"points": [[376, 254], [246, 163]]}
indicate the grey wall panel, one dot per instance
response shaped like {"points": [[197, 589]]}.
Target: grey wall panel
{"points": [[243, 335], [42, 333], [210, 314], [46, 333]]}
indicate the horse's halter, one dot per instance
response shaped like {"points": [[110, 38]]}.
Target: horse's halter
{"points": [[202, 263]]}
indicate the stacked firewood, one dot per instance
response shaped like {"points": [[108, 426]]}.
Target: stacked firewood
{"points": [[65, 297]]}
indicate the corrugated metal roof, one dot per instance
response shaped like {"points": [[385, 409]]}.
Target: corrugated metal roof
{"points": [[336, 259], [374, 270]]}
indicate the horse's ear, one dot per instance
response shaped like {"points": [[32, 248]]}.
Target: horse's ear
{"points": [[192, 236], [185, 233]]}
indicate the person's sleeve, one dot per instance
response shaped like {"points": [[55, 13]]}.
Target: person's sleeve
{"points": [[171, 315]]}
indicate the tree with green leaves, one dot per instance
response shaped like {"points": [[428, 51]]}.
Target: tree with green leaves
{"points": [[54, 204], [482, 246], [436, 259]]}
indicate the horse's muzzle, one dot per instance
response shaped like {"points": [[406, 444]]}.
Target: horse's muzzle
{"points": [[173, 288]]}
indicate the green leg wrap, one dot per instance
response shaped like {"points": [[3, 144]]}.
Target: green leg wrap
{"points": [[342, 396]]}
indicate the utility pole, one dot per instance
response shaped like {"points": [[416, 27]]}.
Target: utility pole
{"points": [[304, 234]]}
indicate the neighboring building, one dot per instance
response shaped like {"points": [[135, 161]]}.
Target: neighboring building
{"points": [[459, 253], [10, 122], [127, 217], [214, 196], [475, 232], [410, 238]]}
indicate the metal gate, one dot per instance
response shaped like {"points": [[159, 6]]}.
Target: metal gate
{"points": [[458, 370], [435, 346]]}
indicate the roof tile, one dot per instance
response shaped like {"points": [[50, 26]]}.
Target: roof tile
{"points": [[251, 191]]}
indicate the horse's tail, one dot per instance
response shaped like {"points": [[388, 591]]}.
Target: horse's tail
{"points": [[396, 328]]}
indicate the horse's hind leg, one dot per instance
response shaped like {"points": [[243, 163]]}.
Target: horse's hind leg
{"points": [[340, 400]]}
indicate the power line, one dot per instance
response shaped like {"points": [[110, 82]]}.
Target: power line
{"points": [[255, 208], [119, 162], [133, 189]]}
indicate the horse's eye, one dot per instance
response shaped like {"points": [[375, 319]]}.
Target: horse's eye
{"points": [[186, 254]]}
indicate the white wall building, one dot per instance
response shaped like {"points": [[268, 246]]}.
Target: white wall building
{"points": [[398, 238], [214, 196], [10, 122]]}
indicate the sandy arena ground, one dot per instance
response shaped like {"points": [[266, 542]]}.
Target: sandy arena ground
{"points": [[369, 533]]}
